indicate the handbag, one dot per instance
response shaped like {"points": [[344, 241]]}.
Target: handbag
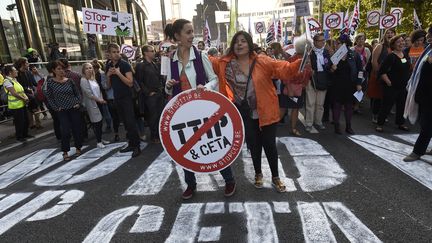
{"points": [[244, 107]]}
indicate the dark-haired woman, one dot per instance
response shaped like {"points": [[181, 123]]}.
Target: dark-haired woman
{"points": [[165, 45], [64, 97], [190, 70], [260, 122], [346, 81], [374, 91], [395, 73], [17, 100], [418, 38]]}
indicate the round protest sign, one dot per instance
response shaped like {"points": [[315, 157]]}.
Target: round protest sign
{"points": [[333, 21], [202, 131], [388, 21], [373, 18], [259, 27]]}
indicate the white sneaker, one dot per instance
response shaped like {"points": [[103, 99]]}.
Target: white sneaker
{"points": [[100, 145], [105, 142]]}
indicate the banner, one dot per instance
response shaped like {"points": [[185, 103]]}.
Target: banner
{"points": [[333, 21], [97, 21]]}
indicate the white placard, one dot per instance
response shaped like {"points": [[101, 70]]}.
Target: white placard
{"points": [[398, 13], [373, 18], [388, 21], [97, 21], [222, 16], [339, 54], [359, 95], [129, 51], [165, 65]]}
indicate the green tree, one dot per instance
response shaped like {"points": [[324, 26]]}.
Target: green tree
{"points": [[423, 9]]}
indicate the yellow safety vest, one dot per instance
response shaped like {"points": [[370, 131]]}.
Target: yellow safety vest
{"points": [[13, 102]]}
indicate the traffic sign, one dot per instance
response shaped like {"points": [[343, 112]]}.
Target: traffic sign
{"points": [[259, 27], [388, 21], [202, 131], [333, 21], [373, 18]]}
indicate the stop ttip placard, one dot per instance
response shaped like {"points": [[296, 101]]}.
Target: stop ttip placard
{"points": [[202, 131]]}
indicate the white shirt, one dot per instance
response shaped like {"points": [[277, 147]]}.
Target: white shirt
{"points": [[213, 82]]}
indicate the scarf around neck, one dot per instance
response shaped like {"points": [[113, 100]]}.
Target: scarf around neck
{"points": [[320, 58]]}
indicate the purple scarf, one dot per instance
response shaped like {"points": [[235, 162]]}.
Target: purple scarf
{"points": [[201, 77]]}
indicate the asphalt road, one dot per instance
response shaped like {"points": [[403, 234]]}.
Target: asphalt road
{"points": [[341, 189]]}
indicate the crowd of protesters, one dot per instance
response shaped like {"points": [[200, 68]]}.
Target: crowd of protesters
{"points": [[262, 83]]}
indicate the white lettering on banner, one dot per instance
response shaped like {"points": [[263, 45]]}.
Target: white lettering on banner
{"points": [[260, 223], [64, 175], [104, 22], [318, 169], [68, 199], [150, 219], [12, 199], [349, 224], [107, 226], [153, 179], [394, 152], [27, 209], [316, 227], [186, 226]]}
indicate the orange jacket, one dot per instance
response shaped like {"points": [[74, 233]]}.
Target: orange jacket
{"points": [[265, 69]]}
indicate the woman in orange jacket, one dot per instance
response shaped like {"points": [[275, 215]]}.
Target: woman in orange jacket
{"points": [[246, 79]]}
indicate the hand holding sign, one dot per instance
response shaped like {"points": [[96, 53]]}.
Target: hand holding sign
{"points": [[339, 54]]}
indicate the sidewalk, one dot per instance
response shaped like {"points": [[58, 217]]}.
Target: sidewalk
{"points": [[7, 131]]}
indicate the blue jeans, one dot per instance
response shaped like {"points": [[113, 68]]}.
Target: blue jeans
{"points": [[226, 173]]}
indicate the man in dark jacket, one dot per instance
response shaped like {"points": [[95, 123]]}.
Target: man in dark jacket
{"points": [[148, 76]]}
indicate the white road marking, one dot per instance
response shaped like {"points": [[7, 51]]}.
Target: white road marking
{"points": [[316, 227], [302, 120], [107, 226], [260, 223], [64, 175], [236, 207], [281, 207], [215, 208], [19, 171], [318, 169], [394, 152], [265, 168], [14, 145], [204, 182], [26, 210], [12, 199], [410, 138], [153, 179], [186, 226], [209, 234], [349, 224], [150, 219], [2, 195], [5, 167], [68, 200]]}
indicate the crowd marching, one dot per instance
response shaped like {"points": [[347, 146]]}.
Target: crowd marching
{"points": [[262, 82]]}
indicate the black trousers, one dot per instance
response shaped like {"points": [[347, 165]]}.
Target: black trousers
{"points": [[97, 129], [21, 122], [154, 105], [375, 105], [425, 135], [114, 115], [125, 110], [56, 123], [392, 95], [257, 139], [71, 121]]}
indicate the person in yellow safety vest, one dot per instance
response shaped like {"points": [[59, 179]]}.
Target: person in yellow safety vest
{"points": [[17, 101]]}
